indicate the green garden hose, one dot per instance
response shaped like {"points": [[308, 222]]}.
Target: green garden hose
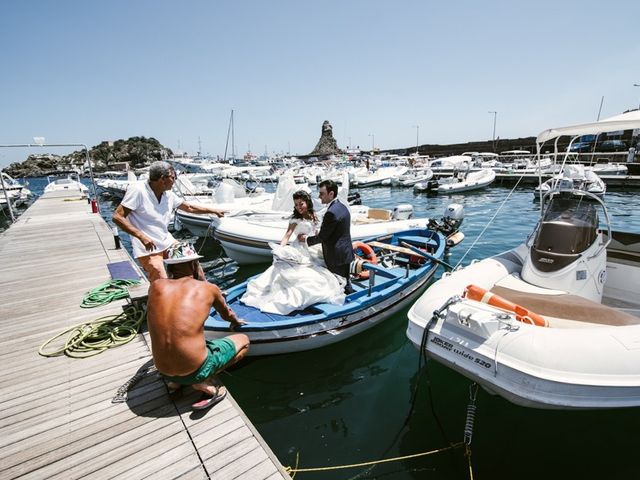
{"points": [[107, 292], [92, 338]]}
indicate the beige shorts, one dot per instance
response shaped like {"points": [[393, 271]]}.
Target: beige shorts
{"points": [[153, 265]]}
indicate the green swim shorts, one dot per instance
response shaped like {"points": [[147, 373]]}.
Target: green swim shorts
{"points": [[220, 352]]}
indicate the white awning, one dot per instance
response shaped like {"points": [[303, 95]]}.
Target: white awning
{"points": [[624, 121]]}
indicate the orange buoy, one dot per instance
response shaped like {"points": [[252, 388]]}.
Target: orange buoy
{"points": [[368, 254], [473, 292]]}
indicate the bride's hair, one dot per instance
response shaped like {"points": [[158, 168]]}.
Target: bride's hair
{"points": [[302, 195]]}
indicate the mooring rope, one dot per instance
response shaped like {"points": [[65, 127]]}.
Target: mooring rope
{"points": [[490, 221], [294, 470]]}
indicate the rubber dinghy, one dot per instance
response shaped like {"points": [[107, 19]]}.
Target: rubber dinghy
{"points": [[553, 323], [467, 181], [401, 265]]}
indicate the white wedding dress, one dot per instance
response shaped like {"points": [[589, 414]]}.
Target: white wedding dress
{"points": [[296, 279]]}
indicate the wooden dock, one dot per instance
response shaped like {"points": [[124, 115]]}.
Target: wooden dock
{"points": [[57, 419]]}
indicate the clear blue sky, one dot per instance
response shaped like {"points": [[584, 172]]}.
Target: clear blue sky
{"points": [[87, 71]]}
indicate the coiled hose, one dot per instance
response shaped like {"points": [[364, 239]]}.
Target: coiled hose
{"points": [[92, 338], [107, 292]]}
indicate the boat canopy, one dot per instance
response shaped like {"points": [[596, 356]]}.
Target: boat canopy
{"points": [[624, 121]]}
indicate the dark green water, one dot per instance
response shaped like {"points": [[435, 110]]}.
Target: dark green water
{"points": [[348, 402]]}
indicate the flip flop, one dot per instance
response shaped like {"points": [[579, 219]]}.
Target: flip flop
{"points": [[207, 402]]}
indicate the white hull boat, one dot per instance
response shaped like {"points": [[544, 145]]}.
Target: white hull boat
{"points": [[115, 187], [62, 184], [575, 177], [17, 193], [246, 239], [379, 176], [466, 182], [232, 197], [411, 178], [609, 168], [451, 164], [553, 323]]}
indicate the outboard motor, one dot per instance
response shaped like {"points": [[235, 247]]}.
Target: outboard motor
{"points": [[404, 211], [568, 252], [453, 216], [449, 224]]}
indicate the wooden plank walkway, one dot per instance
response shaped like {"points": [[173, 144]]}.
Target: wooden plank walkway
{"points": [[57, 419]]}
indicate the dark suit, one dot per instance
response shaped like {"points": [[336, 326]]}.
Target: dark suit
{"points": [[335, 236]]}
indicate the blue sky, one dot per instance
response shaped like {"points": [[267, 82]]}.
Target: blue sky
{"points": [[87, 71]]}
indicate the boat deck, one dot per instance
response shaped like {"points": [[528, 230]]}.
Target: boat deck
{"points": [[57, 415]]}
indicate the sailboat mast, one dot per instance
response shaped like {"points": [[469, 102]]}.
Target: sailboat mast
{"points": [[233, 139], [226, 145]]}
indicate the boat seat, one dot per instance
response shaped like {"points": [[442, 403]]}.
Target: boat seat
{"points": [[379, 214], [566, 306], [390, 247]]}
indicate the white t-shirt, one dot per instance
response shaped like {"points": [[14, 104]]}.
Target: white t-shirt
{"points": [[150, 216]]}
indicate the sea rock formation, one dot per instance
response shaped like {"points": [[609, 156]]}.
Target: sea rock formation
{"points": [[137, 151], [327, 145]]}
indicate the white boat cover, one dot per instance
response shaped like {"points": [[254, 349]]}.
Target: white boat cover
{"points": [[624, 121]]}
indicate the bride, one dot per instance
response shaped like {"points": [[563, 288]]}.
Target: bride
{"points": [[298, 277]]}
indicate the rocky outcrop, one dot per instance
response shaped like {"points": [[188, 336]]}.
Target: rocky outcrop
{"points": [[136, 151], [327, 145]]}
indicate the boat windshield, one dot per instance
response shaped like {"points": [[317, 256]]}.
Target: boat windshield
{"points": [[569, 226]]}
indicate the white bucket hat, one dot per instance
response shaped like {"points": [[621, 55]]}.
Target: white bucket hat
{"points": [[180, 253]]}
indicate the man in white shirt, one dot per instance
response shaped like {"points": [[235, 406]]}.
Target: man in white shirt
{"points": [[144, 213]]}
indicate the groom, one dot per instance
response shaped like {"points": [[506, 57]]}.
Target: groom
{"points": [[335, 233]]}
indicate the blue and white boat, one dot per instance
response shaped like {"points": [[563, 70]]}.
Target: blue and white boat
{"points": [[406, 261]]}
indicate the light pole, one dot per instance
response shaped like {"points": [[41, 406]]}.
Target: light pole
{"points": [[373, 141], [417, 127], [637, 85], [40, 142], [493, 142]]}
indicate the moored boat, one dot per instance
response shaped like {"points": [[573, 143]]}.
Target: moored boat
{"points": [[573, 176], [246, 238], [553, 323], [405, 262], [62, 184], [466, 181]]}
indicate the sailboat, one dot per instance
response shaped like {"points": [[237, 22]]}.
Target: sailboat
{"points": [[230, 132]]}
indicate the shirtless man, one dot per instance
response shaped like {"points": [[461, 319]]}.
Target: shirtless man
{"points": [[177, 310]]}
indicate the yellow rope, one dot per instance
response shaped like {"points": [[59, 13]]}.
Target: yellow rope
{"points": [[295, 470], [467, 453]]}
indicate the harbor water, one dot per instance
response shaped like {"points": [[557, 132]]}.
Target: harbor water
{"points": [[351, 402]]}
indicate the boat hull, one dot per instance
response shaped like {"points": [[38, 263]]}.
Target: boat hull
{"points": [[575, 364], [248, 244], [526, 389], [468, 185], [392, 284], [330, 331]]}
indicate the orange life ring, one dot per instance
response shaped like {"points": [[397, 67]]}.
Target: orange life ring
{"points": [[368, 254], [473, 292], [418, 259]]}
